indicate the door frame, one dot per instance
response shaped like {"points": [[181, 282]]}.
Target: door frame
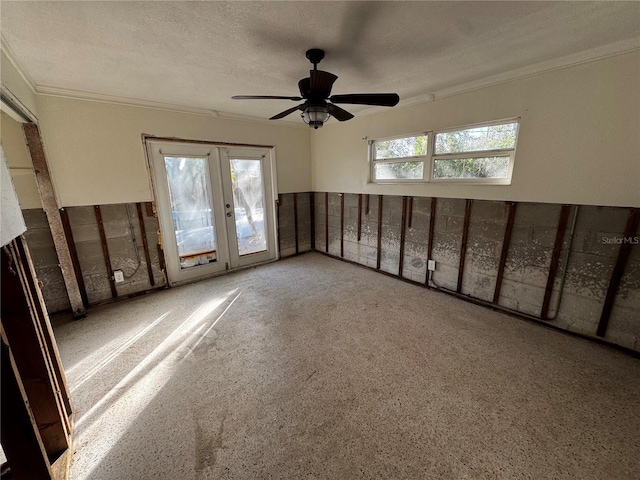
{"points": [[149, 140]]}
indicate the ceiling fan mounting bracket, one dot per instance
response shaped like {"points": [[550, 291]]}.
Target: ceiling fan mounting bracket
{"points": [[315, 55]]}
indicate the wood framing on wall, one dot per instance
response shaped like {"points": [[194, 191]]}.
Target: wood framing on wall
{"points": [[36, 423]]}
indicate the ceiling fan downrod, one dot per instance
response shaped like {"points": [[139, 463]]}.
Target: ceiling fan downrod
{"points": [[315, 55]]}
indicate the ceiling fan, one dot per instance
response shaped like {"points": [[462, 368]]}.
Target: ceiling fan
{"points": [[319, 106]]}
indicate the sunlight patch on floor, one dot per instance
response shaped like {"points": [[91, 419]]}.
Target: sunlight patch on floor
{"points": [[100, 428]]}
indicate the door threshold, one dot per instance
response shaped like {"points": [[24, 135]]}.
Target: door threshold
{"points": [[219, 274]]}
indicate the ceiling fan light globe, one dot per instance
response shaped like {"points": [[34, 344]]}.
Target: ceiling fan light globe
{"points": [[315, 115]]}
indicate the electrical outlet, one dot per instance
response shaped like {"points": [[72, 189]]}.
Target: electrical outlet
{"points": [[431, 265], [118, 276]]}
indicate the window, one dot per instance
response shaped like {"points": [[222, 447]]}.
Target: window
{"points": [[479, 153], [475, 154], [400, 158]]}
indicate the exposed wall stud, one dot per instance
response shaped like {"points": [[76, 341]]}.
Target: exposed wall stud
{"points": [[278, 203], [359, 216], [342, 224], [21, 440], [410, 214], [403, 228], [50, 206], [66, 225], [295, 221], [505, 249], [312, 214], [555, 258], [366, 204], [145, 244], [149, 208], [379, 252], [20, 322], [49, 344], [105, 251], [630, 232], [432, 224], [463, 245], [326, 221]]}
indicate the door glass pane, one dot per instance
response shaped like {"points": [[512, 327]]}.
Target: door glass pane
{"points": [[248, 200], [190, 196]]}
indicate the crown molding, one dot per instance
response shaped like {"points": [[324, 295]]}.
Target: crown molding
{"points": [[592, 55], [13, 59], [595, 54], [114, 99], [134, 102]]}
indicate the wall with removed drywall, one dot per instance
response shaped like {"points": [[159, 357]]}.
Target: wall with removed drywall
{"points": [[397, 235], [578, 140]]}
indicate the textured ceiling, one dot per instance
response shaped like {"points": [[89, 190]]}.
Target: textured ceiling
{"points": [[199, 54]]}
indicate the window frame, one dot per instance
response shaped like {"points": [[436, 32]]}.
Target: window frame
{"points": [[430, 158]]}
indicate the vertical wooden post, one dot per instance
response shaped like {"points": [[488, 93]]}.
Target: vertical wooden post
{"points": [[359, 216], [618, 270], [145, 243], [403, 227], [410, 214], [30, 353], [21, 442], [295, 221], [463, 245], [50, 206], [366, 204], [278, 203], [432, 224], [105, 251], [326, 221], [66, 225], [379, 253], [44, 324], [342, 225], [555, 258], [312, 213], [505, 249]]}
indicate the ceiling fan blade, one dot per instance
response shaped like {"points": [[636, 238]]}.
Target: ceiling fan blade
{"points": [[338, 113], [285, 113], [265, 97], [321, 82], [380, 99]]}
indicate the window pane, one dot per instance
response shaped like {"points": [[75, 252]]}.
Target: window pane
{"points": [[491, 137], [248, 194], [401, 147], [479, 167], [190, 196], [398, 170]]}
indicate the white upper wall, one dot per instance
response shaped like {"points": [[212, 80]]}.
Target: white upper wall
{"points": [[17, 84], [579, 139], [96, 155]]}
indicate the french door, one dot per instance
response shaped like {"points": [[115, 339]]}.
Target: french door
{"points": [[216, 207]]}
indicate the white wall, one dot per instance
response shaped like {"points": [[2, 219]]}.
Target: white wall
{"points": [[19, 162], [96, 154], [579, 138], [17, 85]]}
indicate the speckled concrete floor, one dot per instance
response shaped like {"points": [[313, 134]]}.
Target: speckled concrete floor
{"points": [[314, 368]]}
